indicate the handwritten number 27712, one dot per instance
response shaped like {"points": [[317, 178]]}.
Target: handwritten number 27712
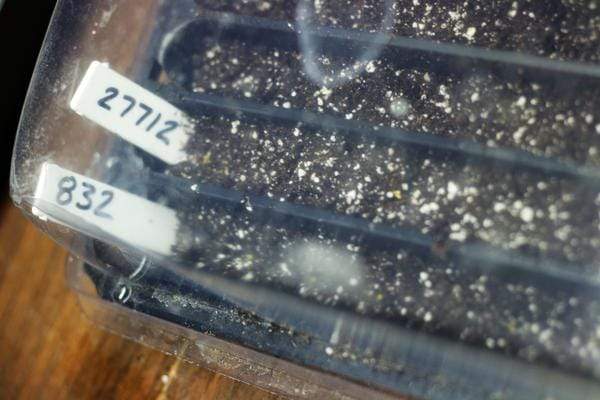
{"points": [[147, 116]]}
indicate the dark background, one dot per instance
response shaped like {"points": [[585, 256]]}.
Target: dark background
{"points": [[23, 24]]}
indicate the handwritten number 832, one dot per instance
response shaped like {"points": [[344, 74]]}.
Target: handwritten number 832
{"points": [[66, 196], [146, 116]]}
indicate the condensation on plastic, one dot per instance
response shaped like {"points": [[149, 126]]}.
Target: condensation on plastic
{"points": [[404, 196]]}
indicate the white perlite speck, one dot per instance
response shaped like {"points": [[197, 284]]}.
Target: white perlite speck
{"points": [[527, 214]]}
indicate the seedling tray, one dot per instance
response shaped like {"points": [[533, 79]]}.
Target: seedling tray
{"points": [[388, 350]]}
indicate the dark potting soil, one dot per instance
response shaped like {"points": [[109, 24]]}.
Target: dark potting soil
{"points": [[550, 219]]}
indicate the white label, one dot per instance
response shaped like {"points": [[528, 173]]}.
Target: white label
{"points": [[132, 112], [99, 209]]}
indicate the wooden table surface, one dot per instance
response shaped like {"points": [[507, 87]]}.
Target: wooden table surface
{"points": [[49, 350]]}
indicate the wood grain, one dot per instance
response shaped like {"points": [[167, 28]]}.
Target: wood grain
{"points": [[49, 350]]}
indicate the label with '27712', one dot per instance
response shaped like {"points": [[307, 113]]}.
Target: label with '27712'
{"points": [[132, 112]]}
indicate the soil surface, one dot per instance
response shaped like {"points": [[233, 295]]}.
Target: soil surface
{"points": [[456, 202]]}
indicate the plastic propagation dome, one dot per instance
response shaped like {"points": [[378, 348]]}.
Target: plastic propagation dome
{"points": [[330, 199]]}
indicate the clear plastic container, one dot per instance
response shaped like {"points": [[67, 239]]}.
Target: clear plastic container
{"points": [[330, 199]]}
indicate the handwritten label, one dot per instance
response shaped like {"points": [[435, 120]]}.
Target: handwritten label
{"points": [[132, 112], [86, 204]]}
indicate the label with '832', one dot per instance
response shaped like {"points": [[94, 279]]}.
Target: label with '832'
{"points": [[84, 203], [132, 112]]}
